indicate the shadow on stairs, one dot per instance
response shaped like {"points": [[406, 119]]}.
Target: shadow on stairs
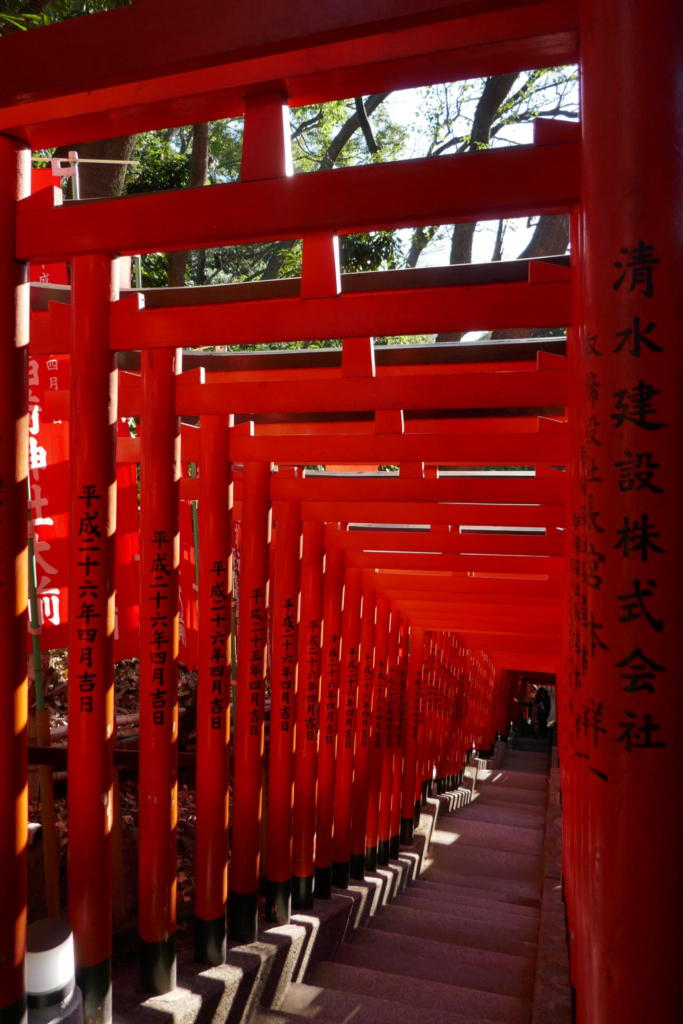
{"points": [[460, 943]]}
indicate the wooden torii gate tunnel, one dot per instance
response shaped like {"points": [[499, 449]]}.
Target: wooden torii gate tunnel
{"points": [[393, 611]]}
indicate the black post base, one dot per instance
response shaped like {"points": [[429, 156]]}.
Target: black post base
{"points": [[209, 940], [243, 916], [383, 852], [425, 790], [278, 901], [407, 827], [302, 892], [323, 883], [157, 966], [416, 817], [357, 866], [14, 1014], [394, 847], [370, 858], [340, 874]]}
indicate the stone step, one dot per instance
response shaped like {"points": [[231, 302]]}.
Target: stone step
{"points": [[278, 1017], [479, 910], [336, 1006], [490, 834], [472, 918], [528, 763], [514, 973], [488, 792], [430, 997], [479, 860], [531, 746], [447, 891], [513, 890], [435, 961], [508, 938], [513, 779], [499, 813]]}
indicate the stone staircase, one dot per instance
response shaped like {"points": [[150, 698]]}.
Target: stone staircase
{"points": [[458, 945]]}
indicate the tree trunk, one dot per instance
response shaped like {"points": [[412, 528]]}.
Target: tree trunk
{"points": [[177, 261], [550, 238], [101, 181], [495, 91]]}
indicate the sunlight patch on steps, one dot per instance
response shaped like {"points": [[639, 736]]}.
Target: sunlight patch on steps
{"points": [[444, 838]]}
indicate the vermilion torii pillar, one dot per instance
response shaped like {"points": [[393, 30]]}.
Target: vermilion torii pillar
{"points": [[15, 170], [213, 691], [346, 727], [399, 760], [361, 764], [411, 732], [377, 739], [283, 662], [307, 716], [389, 733], [333, 585], [627, 698], [91, 627], [159, 572], [249, 712]]}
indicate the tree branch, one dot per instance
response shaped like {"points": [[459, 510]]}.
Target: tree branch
{"points": [[365, 125], [349, 128]]}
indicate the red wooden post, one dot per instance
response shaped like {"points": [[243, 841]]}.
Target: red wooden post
{"points": [[399, 757], [91, 627], [389, 727], [453, 719], [377, 738], [425, 707], [266, 145], [411, 733], [626, 505], [346, 730], [213, 691], [283, 662], [307, 716], [446, 699], [361, 765], [248, 731], [445, 744], [333, 584], [434, 720], [15, 170], [266, 153], [159, 568]]}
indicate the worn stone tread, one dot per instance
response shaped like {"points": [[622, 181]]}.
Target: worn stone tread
{"points": [[313, 1003], [430, 996]]}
